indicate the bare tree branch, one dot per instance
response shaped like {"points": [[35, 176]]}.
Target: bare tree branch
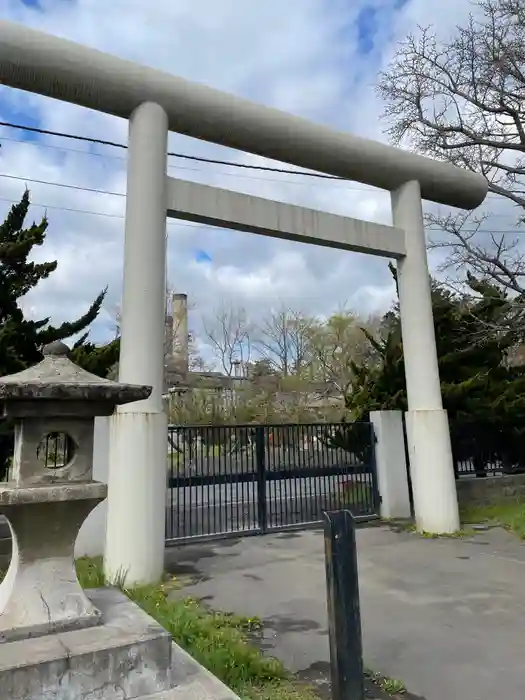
{"points": [[463, 101], [283, 340], [336, 343], [229, 332]]}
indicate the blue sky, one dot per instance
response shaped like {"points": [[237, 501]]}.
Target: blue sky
{"points": [[201, 256], [320, 61], [367, 21]]}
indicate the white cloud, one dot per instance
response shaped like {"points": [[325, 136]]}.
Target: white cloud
{"points": [[301, 56]]}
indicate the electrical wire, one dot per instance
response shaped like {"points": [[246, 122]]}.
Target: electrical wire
{"points": [[62, 184], [113, 144], [122, 194], [42, 205], [232, 164], [186, 156], [346, 185], [178, 168]]}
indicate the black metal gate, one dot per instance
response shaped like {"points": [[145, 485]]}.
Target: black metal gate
{"points": [[247, 480]]}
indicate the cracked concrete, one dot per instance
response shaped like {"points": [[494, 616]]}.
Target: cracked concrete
{"points": [[445, 616], [129, 657]]}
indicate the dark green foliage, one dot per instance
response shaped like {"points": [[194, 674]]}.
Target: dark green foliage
{"points": [[479, 386], [21, 340], [472, 346], [261, 368], [355, 438], [97, 359]]}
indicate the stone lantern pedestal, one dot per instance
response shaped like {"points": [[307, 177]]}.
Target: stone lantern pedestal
{"points": [[57, 641]]}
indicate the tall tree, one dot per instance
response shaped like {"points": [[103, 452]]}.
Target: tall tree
{"points": [[477, 381], [21, 339], [228, 332], [337, 344], [463, 101], [283, 340]]}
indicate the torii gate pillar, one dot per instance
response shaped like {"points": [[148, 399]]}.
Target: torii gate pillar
{"points": [[428, 434], [138, 436]]}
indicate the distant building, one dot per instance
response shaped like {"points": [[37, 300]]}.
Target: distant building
{"points": [[179, 379]]}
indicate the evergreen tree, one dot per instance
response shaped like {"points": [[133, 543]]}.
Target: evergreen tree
{"points": [[21, 339], [483, 394]]}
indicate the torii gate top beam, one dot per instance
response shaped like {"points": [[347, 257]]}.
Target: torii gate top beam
{"points": [[45, 64]]}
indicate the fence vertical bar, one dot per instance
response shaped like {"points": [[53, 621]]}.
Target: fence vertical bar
{"points": [[376, 496], [344, 616], [262, 505]]}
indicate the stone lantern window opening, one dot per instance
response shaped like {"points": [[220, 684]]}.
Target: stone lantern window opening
{"points": [[56, 450]]}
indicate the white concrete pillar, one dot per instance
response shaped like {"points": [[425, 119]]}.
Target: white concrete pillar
{"points": [[92, 536], [391, 466], [428, 435], [137, 474]]}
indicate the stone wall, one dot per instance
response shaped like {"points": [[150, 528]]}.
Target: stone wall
{"points": [[490, 490]]}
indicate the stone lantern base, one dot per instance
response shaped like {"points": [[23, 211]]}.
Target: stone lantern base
{"points": [[57, 641], [40, 593], [128, 657]]}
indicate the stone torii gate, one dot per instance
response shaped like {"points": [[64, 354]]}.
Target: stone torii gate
{"points": [[155, 103]]}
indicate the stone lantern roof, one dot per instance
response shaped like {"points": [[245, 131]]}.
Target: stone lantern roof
{"points": [[56, 378]]}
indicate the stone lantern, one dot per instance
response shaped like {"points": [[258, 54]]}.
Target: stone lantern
{"points": [[51, 491]]}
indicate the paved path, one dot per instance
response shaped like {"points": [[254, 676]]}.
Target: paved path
{"points": [[446, 616]]}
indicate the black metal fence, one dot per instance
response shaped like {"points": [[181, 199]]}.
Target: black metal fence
{"points": [[487, 448], [234, 480]]}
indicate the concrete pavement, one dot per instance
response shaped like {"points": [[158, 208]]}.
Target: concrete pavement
{"points": [[447, 616]]}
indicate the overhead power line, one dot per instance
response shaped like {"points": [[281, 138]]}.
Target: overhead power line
{"points": [[345, 185], [200, 159], [122, 194], [62, 184], [121, 146], [231, 164], [42, 205]]}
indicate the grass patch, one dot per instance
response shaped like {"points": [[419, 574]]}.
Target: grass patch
{"points": [[90, 572], [280, 690], [407, 526], [509, 515], [458, 534], [391, 686], [216, 640]]}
